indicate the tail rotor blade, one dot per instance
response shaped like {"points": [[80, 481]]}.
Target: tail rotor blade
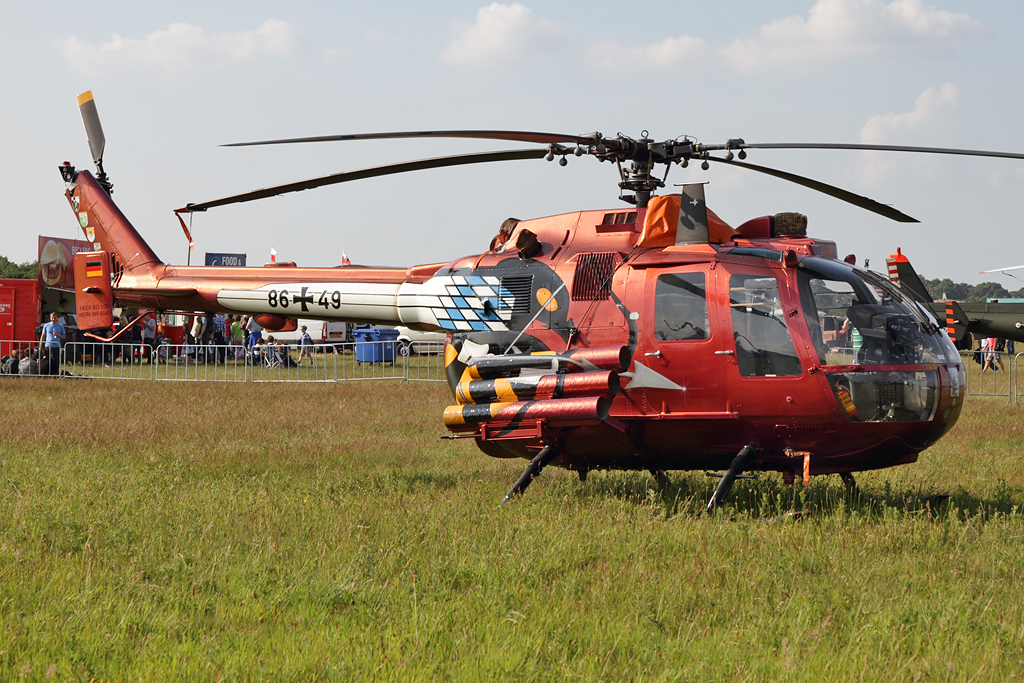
{"points": [[93, 129]]}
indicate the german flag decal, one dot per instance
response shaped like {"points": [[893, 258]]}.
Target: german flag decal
{"points": [[94, 269]]}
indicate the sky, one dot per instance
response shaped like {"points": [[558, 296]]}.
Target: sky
{"points": [[174, 81]]}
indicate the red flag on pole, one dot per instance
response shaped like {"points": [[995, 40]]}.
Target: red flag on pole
{"points": [[344, 259], [191, 244], [273, 255]]}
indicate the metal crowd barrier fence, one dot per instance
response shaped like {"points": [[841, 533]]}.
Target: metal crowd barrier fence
{"points": [[116, 360], [424, 362], [199, 363], [999, 379], [291, 364], [370, 360], [1015, 376], [21, 348]]}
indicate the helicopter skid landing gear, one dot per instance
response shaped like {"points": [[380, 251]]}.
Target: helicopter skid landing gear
{"points": [[546, 455], [722, 490], [660, 477], [850, 483]]}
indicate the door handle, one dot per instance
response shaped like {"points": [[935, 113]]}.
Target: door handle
{"points": [[654, 354], [725, 353]]}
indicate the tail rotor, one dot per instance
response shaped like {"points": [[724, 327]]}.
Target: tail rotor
{"points": [[94, 131]]}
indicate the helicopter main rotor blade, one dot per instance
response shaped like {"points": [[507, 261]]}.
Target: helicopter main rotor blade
{"points": [[439, 162], [879, 148], [831, 190], [511, 135], [93, 129], [1001, 270]]}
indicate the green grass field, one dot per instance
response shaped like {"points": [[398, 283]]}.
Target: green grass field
{"points": [[204, 531]]}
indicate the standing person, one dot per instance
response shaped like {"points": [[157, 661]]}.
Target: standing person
{"points": [[305, 346], [203, 332], [255, 331], [51, 338], [211, 327], [198, 326], [134, 337], [244, 324], [238, 337], [991, 355], [217, 337], [63, 304], [148, 336]]}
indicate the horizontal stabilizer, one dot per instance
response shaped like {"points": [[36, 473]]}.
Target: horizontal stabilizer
{"points": [[171, 292]]}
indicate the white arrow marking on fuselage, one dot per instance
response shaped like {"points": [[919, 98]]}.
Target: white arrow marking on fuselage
{"points": [[643, 376]]}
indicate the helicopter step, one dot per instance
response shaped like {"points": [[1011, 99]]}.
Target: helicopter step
{"points": [[660, 477], [850, 483], [722, 490], [546, 455]]}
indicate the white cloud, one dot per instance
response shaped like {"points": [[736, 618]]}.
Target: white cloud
{"points": [[501, 33], [666, 54], [932, 108], [932, 112], [839, 30], [181, 48]]}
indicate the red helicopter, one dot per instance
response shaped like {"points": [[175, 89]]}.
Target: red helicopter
{"points": [[653, 337]]}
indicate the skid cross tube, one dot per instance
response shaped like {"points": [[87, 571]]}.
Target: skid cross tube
{"points": [[546, 455], [722, 490]]}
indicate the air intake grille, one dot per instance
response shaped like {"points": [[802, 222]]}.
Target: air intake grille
{"points": [[619, 218], [593, 278], [520, 287], [621, 221]]}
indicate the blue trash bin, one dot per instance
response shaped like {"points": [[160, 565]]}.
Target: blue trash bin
{"points": [[376, 345]]}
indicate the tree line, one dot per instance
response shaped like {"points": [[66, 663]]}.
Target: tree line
{"points": [[18, 271], [945, 288]]}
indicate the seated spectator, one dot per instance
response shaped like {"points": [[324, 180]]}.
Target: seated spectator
{"points": [[44, 361], [10, 366], [274, 349], [29, 365], [282, 353]]}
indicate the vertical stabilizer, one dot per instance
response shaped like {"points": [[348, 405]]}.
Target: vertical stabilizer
{"points": [[903, 274], [105, 227]]}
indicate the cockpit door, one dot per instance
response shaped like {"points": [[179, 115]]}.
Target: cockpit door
{"points": [[771, 378], [678, 359]]}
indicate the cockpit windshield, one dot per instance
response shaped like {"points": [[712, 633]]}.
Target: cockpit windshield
{"points": [[857, 317]]}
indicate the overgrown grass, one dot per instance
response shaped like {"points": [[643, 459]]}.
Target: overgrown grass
{"points": [[153, 531]]}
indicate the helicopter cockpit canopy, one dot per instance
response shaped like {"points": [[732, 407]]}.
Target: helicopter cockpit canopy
{"points": [[885, 328]]}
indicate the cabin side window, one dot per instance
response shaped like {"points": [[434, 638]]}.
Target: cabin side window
{"points": [[825, 303], [681, 307], [764, 347]]}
